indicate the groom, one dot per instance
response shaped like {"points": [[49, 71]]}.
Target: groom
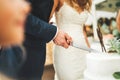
{"points": [[38, 33]]}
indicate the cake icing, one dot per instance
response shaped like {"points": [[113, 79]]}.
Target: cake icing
{"points": [[101, 66]]}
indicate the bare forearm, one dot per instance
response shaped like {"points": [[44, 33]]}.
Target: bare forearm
{"points": [[86, 39], [118, 20]]}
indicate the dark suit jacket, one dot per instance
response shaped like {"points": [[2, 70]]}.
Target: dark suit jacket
{"points": [[11, 59], [38, 33]]}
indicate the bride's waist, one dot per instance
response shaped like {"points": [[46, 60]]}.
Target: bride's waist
{"points": [[75, 33], [71, 25], [73, 30]]}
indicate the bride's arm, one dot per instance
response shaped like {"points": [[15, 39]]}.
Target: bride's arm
{"points": [[54, 8], [86, 39], [118, 20], [59, 4]]}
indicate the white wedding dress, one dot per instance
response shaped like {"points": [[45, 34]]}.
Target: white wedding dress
{"points": [[70, 63]]}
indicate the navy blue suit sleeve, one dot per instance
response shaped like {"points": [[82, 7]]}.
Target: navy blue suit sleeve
{"points": [[40, 29]]}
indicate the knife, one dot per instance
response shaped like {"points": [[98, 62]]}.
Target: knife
{"points": [[83, 48]]}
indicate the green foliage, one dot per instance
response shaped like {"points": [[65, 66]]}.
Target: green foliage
{"points": [[114, 45], [117, 75], [118, 35]]}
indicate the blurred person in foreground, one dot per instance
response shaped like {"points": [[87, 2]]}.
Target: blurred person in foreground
{"points": [[12, 18]]}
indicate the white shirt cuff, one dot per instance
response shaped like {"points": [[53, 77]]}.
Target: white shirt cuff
{"points": [[55, 34]]}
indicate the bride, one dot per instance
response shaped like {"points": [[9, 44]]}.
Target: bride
{"points": [[71, 16]]}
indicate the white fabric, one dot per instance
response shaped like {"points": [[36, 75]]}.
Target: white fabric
{"points": [[70, 63]]}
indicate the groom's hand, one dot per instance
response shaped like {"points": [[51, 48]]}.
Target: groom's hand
{"points": [[62, 39]]}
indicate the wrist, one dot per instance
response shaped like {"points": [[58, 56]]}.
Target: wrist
{"points": [[56, 34]]}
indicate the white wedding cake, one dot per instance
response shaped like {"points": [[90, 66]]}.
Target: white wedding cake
{"points": [[102, 66]]}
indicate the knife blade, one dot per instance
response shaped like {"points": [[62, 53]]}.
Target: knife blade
{"points": [[83, 48]]}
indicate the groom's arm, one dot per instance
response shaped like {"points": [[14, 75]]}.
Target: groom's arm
{"points": [[40, 29]]}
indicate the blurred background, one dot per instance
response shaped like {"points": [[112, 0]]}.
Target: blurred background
{"points": [[103, 13]]}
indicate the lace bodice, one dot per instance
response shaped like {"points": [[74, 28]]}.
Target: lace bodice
{"points": [[68, 15]]}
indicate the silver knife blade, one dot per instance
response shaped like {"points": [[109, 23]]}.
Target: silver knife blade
{"points": [[83, 48]]}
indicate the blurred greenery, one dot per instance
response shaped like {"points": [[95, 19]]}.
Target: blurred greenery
{"points": [[114, 45], [117, 75], [118, 35]]}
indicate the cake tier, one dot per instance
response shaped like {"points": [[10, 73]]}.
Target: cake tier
{"points": [[90, 76], [101, 66]]}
